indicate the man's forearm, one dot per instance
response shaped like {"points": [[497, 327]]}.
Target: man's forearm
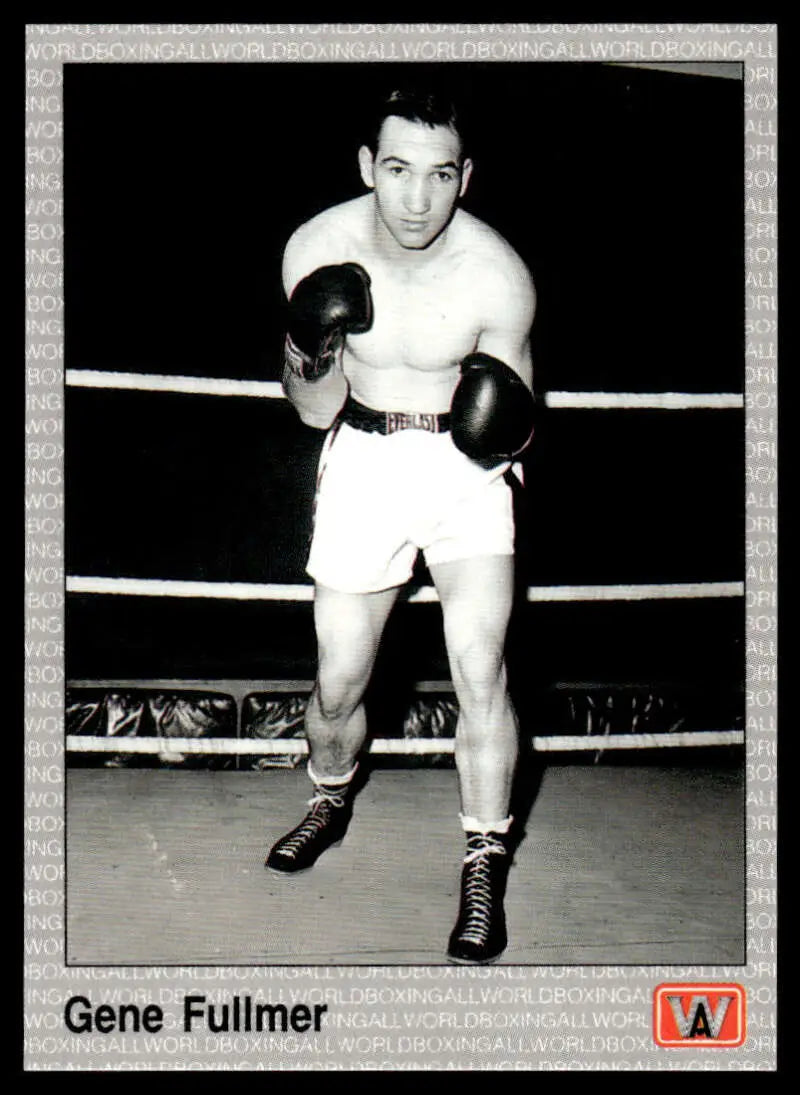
{"points": [[317, 402]]}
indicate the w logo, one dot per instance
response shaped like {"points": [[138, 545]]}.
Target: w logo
{"points": [[699, 1015]]}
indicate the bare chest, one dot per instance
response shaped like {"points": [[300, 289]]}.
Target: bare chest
{"points": [[424, 323]]}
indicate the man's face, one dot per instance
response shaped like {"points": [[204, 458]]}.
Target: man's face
{"points": [[418, 176]]}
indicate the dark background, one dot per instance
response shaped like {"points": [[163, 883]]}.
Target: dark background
{"points": [[620, 188]]}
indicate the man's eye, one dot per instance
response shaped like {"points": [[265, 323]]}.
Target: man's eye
{"points": [[445, 176], [396, 170]]}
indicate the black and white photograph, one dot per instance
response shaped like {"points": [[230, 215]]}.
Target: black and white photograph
{"points": [[424, 258], [417, 542]]}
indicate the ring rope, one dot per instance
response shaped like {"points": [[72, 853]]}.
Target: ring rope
{"points": [[266, 389], [76, 743], [190, 385], [659, 401], [240, 686], [270, 591]]}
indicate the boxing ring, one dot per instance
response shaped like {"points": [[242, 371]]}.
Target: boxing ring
{"points": [[301, 593], [582, 888], [190, 644]]}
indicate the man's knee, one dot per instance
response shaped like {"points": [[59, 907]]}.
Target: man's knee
{"points": [[338, 689], [479, 676], [336, 708]]}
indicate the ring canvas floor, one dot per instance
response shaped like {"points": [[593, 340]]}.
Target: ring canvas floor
{"points": [[618, 865]]}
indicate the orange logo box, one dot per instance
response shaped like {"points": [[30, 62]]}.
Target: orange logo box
{"points": [[699, 1015]]}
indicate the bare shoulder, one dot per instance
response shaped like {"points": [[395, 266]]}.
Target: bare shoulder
{"points": [[499, 272], [493, 252], [330, 237]]}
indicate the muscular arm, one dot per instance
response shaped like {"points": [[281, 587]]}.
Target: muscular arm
{"points": [[511, 305], [492, 408], [317, 402]]}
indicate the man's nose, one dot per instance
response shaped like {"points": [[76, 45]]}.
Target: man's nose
{"points": [[417, 196]]}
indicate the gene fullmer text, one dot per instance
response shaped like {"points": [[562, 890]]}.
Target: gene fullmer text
{"points": [[240, 1015]]}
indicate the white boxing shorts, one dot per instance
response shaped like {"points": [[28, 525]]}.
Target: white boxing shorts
{"points": [[381, 498]]}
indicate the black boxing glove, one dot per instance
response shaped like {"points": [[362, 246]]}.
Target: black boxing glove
{"points": [[492, 411], [329, 304]]}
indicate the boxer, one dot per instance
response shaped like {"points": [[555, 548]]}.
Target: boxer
{"points": [[408, 325]]}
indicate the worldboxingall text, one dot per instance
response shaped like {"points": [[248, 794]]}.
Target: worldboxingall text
{"points": [[512, 49], [366, 973], [379, 997], [314, 30]]}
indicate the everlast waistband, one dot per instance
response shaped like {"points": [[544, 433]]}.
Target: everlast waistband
{"points": [[358, 416]]}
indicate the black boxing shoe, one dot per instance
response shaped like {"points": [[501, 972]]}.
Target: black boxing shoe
{"points": [[323, 827], [480, 932]]}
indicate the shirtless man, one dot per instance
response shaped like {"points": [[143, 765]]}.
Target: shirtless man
{"points": [[409, 322]]}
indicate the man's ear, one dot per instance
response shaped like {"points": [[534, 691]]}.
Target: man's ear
{"points": [[366, 164], [466, 172]]}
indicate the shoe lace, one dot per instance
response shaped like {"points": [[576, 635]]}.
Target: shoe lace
{"points": [[315, 820], [477, 886]]}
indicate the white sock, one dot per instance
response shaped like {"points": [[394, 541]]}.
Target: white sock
{"points": [[472, 825], [331, 781]]}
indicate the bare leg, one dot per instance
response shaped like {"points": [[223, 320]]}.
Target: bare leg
{"points": [[476, 596], [349, 628]]}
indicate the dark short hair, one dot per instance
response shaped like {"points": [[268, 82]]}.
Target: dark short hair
{"points": [[425, 106]]}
